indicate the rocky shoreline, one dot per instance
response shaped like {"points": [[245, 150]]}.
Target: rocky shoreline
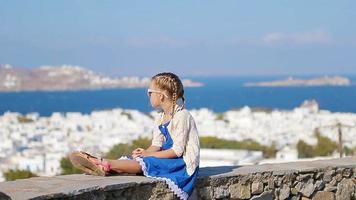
{"points": [[67, 77], [291, 81]]}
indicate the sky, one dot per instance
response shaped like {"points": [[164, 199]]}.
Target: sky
{"points": [[190, 38]]}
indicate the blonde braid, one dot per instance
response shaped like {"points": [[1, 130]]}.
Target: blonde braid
{"points": [[174, 100], [174, 96]]}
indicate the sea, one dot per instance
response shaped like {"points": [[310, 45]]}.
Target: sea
{"points": [[218, 94]]}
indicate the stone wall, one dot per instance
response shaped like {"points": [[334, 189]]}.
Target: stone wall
{"points": [[320, 180]]}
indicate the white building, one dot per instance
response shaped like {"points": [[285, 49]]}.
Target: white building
{"points": [[40, 143]]}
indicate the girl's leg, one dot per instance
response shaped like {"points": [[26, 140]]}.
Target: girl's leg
{"points": [[125, 166], [93, 165]]}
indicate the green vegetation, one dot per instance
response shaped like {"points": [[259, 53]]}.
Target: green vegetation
{"points": [[119, 150], [349, 151], [221, 116], [68, 168], [12, 175], [323, 147], [22, 119], [217, 143], [305, 150], [126, 149]]}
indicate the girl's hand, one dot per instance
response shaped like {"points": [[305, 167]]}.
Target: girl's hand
{"points": [[138, 152], [142, 154]]}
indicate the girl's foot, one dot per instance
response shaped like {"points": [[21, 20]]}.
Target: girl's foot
{"points": [[90, 164]]}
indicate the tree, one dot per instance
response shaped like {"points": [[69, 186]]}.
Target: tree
{"points": [[305, 150], [12, 175], [349, 151], [323, 147], [270, 151]]}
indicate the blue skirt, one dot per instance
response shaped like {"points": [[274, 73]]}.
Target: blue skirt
{"points": [[172, 171]]}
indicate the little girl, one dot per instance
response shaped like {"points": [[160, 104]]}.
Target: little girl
{"points": [[174, 153]]}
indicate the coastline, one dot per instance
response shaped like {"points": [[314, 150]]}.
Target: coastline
{"points": [[295, 82]]}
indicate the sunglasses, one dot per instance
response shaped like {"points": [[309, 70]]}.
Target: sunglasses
{"points": [[150, 91]]}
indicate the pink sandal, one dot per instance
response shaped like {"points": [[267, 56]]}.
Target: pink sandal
{"points": [[90, 164]]}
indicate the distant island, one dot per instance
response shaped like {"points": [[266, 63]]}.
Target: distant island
{"points": [[290, 81], [66, 77]]}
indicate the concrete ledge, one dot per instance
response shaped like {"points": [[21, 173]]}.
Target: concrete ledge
{"points": [[334, 179]]}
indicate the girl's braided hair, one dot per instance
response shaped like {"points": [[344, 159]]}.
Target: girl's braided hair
{"points": [[172, 84]]}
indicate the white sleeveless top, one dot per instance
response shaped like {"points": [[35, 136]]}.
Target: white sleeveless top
{"points": [[184, 134]]}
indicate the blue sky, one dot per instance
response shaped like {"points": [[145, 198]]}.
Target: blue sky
{"points": [[191, 38]]}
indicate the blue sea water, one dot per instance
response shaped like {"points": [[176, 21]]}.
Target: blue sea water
{"points": [[218, 94]]}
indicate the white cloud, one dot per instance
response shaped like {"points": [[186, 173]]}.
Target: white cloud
{"points": [[313, 37]]}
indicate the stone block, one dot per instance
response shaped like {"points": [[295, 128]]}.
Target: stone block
{"points": [[257, 187], [221, 192], [322, 195], [345, 190], [318, 175], [257, 177], [333, 182], [328, 175], [319, 185], [304, 177], [347, 173], [239, 191], [206, 193], [308, 189], [296, 197], [299, 186], [294, 191], [245, 179], [338, 177], [330, 188], [264, 196], [271, 184]]}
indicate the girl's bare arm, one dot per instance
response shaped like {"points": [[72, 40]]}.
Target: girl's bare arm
{"points": [[153, 149], [169, 153]]}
